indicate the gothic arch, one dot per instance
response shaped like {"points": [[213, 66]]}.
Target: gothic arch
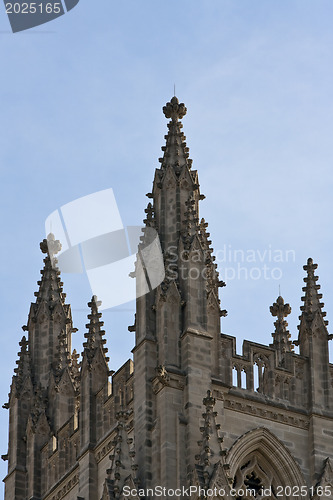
{"points": [[258, 457]]}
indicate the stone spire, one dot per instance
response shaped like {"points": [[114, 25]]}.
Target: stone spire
{"points": [[175, 183], [95, 334], [210, 444], [178, 318], [50, 286], [32, 411], [48, 316], [312, 306], [123, 469], [93, 379], [281, 336], [313, 341], [176, 153], [312, 316]]}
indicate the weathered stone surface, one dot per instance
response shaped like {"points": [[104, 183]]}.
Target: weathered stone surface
{"points": [[80, 431]]}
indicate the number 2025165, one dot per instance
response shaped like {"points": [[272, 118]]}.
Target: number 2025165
{"points": [[33, 8]]}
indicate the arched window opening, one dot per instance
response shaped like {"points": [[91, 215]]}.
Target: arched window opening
{"points": [[234, 376], [254, 480], [243, 379], [260, 372], [260, 463]]}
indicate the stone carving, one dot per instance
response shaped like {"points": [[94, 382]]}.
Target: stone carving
{"points": [[281, 335]]}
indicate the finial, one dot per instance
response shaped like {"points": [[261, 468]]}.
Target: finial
{"points": [[174, 90], [174, 110], [310, 265], [281, 335], [122, 416], [24, 343], [280, 309], [94, 303], [209, 401], [310, 268], [95, 333], [149, 221], [210, 444], [50, 245]]}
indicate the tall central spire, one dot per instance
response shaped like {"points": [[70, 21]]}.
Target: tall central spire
{"points": [[181, 317]]}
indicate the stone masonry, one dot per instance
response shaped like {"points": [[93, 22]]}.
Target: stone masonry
{"points": [[186, 412]]}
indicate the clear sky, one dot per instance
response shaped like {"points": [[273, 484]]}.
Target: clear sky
{"points": [[81, 101]]}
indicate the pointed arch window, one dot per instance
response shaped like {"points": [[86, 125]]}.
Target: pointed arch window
{"points": [[260, 462]]}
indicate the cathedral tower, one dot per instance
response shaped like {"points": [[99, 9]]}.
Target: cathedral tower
{"points": [[188, 415]]}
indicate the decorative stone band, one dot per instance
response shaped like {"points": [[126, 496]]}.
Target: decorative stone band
{"points": [[65, 487], [268, 414]]}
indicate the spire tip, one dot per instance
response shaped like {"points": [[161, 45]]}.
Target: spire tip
{"points": [[174, 109], [50, 245]]}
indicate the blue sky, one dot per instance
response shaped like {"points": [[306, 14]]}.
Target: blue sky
{"points": [[81, 101]]}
